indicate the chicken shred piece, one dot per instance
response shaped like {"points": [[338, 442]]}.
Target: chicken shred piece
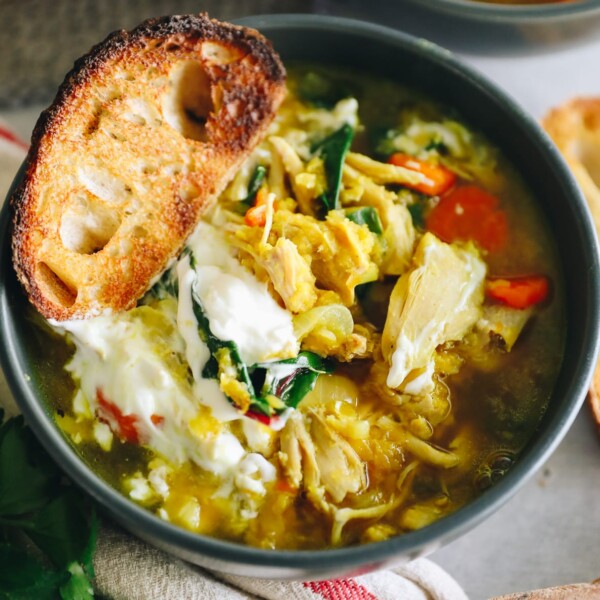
{"points": [[290, 274], [342, 472], [398, 230]]}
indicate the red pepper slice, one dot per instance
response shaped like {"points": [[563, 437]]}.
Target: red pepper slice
{"points": [[126, 425], [520, 292], [259, 417]]}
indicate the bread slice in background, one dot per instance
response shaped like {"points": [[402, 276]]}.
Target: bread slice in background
{"points": [[575, 129], [144, 134]]}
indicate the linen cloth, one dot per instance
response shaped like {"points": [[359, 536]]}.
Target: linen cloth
{"points": [[129, 569]]}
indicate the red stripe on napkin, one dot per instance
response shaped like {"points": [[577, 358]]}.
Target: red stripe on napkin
{"points": [[339, 589], [11, 137]]}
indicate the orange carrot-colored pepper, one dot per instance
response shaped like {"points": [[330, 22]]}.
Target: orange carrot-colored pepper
{"points": [[439, 179], [469, 213], [256, 215]]}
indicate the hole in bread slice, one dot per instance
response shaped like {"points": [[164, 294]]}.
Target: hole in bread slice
{"points": [[100, 182], [53, 287], [187, 104], [219, 54], [87, 225]]}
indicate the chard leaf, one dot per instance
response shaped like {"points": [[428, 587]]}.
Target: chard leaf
{"points": [[291, 379], [215, 344], [417, 211], [28, 478], [333, 150], [256, 182], [304, 360], [288, 380], [366, 215], [166, 286]]}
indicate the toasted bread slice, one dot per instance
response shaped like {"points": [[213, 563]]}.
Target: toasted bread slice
{"points": [[576, 591], [575, 129], [143, 135]]}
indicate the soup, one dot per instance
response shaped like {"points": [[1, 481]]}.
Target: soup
{"points": [[358, 339]]}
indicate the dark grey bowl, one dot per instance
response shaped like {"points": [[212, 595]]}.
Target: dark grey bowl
{"points": [[422, 65], [551, 12]]}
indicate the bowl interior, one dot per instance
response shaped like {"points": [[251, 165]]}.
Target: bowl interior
{"points": [[421, 65]]}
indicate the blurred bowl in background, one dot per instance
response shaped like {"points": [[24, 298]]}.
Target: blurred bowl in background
{"points": [[557, 13], [481, 28]]}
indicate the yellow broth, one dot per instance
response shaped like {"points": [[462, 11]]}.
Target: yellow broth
{"points": [[492, 406]]}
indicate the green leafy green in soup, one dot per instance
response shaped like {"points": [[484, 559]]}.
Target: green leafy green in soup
{"points": [[358, 339]]}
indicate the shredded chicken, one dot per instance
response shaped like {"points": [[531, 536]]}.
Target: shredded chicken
{"points": [[299, 462], [340, 253], [398, 230], [341, 470], [290, 274], [382, 172], [322, 460]]}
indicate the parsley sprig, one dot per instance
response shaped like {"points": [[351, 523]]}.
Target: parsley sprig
{"points": [[47, 528]]}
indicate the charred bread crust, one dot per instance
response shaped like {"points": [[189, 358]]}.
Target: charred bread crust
{"points": [[144, 133], [575, 129], [594, 397]]}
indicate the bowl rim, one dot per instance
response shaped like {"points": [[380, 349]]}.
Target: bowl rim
{"points": [[313, 562], [550, 12]]}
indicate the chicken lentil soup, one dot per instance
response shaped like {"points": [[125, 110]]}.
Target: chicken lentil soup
{"points": [[358, 339]]}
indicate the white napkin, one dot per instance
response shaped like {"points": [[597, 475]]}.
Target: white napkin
{"points": [[128, 569]]}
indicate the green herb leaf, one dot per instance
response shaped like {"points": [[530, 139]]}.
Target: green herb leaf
{"points": [[366, 215], [23, 577], [28, 478], [61, 528], [40, 508], [321, 91], [87, 556], [333, 150], [78, 586]]}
